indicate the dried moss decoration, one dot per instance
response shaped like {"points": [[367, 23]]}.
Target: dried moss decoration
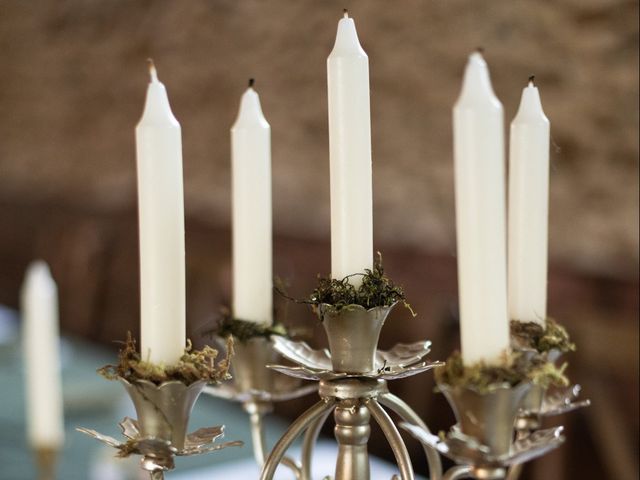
{"points": [[532, 335], [194, 365], [376, 290], [244, 330], [516, 368]]}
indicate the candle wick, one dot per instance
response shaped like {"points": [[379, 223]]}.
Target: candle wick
{"points": [[480, 50], [532, 81], [152, 70], [252, 82], [346, 13]]}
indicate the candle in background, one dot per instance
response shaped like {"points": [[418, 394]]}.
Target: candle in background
{"points": [[161, 216], [480, 216], [350, 155], [528, 209], [251, 212], [41, 348]]}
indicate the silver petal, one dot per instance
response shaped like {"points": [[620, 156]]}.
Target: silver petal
{"points": [[112, 442], [203, 436], [535, 445], [402, 354], [300, 372], [561, 401], [208, 448], [130, 428], [302, 354], [402, 372]]}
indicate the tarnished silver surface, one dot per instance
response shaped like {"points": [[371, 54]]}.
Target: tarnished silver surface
{"points": [[159, 434], [353, 400], [257, 388], [560, 401], [352, 432], [466, 450], [488, 417], [252, 381], [163, 410], [403, 360], [353, 333], [400, 356], [352, 374]]}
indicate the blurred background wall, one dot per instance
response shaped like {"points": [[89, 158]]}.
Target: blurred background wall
{"points": [[72, 82]]}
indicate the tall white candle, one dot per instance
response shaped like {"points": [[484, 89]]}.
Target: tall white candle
{"points": [[251, 206], [41, 342], [350, 155], [528, 209], [480, 216], [161, 216]]}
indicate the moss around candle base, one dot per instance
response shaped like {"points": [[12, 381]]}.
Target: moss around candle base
{"points": [[243, 330], [193, 366], [375, 290], [532, 335], [514, 369]]}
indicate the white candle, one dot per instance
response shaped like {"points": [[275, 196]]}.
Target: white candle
{"points": [[161, 216], [350, 155], [480, 216], [41, 342], [251, 211], [528, 209]]}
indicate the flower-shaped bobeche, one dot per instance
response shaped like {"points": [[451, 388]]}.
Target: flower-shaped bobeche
{"points": [[466, 450], [158, 454], [403, 360], [560, 401]]}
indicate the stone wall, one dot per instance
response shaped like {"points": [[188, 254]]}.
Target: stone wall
{"points": [[73, 81]]}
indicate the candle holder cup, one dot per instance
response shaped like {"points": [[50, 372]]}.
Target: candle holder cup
{"points": [[257, 388], [163, 398], [159, 434], [352, 384]]}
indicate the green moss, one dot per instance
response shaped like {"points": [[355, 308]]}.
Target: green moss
{"points": [[194, 365], [532, 335], [515, 368], [376, 290], [243, 330]]}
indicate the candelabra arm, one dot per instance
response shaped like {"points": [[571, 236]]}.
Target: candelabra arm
{"points": [[456, 473], [393, 437], [515, 471], [309, 442], [406, 413], [295, 429]]}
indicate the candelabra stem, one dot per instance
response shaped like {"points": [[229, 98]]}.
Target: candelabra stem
{"points": [[309, 442], [406, 413], [46, 458], [295, 429], [156, 475], [516, 469], [257, 411], [393, 437], [352, 432], [455, 473]]}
